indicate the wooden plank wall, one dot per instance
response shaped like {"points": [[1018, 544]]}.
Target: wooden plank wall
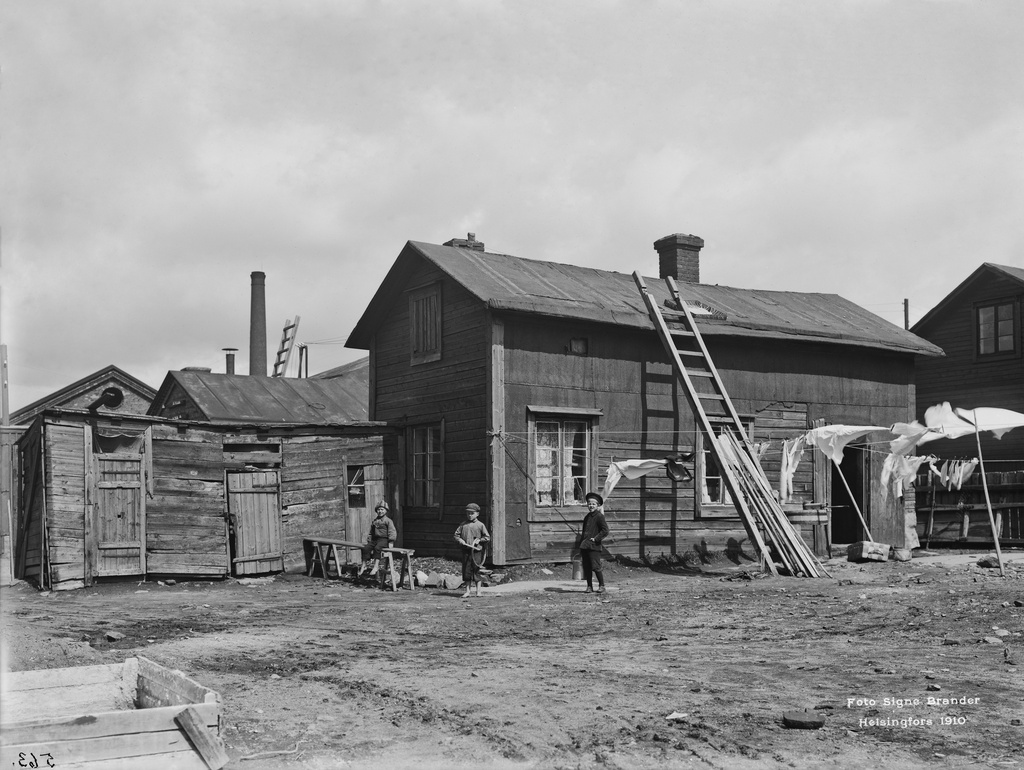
{"points": [[186, 529], [314, 495], [454, 389], [64, 474], [783, 388], [967, 381], [31, 515]]}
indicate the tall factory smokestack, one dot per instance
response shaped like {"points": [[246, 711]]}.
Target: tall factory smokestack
{"points": [[258, 326]]}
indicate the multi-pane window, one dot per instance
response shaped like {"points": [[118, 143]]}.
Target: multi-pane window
{"points": [[425, 466], [356, 483], [996, 328], [713, 487], [425, 324], [562, 452]]}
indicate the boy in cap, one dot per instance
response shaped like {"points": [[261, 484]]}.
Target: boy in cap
{"points": [[471, 535], [382, 535], [588, 542]]}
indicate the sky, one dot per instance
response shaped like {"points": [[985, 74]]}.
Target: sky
{"points": [[153, 155]]}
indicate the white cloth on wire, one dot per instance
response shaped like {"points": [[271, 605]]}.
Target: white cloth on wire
{"points": [[989, 418], [630, 469], [832, 439]]}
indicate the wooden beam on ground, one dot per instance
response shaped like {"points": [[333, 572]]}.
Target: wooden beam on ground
{"points": [[209, 746]]}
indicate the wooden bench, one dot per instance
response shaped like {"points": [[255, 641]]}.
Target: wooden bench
{"points": [[322, 551], [403, 568]]}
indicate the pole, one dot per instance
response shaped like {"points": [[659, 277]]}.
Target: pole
{"points": [[854, 501], [906, 314], [988, 501]]}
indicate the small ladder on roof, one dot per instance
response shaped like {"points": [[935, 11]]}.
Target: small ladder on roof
{"points": [[729, 444], [284, 350]]}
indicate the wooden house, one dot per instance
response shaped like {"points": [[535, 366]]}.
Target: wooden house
{"points": [[978, 325], [117, 496], [515, 382]]}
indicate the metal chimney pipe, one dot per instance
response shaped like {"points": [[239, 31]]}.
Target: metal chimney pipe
{"points": [[258, 326], [229, 364]]}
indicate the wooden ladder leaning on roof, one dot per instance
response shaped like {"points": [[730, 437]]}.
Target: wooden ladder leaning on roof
{"points": [[731, 447]]}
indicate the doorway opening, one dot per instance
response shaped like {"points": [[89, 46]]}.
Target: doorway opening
{"points": [[846, 526]]}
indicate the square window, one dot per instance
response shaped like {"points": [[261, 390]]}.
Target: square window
{"points": [[562, 460], [996, 328]]}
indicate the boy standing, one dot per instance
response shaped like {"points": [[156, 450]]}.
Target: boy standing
{"points": [[588, 542], [471, 535]]}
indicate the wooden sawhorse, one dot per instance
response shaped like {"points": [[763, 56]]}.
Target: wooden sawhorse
{"points": [[321, 551], [403, 557]]}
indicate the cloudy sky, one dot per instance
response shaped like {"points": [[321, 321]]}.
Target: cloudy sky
{"points": [[154, 154]]}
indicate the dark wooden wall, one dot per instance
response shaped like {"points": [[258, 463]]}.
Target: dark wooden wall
{"points": [[784, 387], [966, 380], [453, 389]]}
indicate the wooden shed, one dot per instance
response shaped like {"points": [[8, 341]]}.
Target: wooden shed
{"points": [[515, 382], [105, 496]]}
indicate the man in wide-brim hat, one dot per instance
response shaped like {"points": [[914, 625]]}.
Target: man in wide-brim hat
{"points": [[588, 542]]}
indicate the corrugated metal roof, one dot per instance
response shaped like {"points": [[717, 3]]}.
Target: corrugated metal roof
{"points": [[236, 398], [515, 284]]}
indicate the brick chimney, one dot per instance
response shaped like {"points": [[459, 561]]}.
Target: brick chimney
{"points": [[679, 257], [469, 242], [258, 326]]}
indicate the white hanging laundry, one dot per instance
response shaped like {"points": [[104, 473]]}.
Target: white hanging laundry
{"points": [[792, 451], [832, 439], [899, 471], [998, 421], [944, 423], [910, 435], [965, 471], [631, 469]]}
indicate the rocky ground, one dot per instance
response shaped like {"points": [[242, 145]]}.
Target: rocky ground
{"points": [[674, 667]]}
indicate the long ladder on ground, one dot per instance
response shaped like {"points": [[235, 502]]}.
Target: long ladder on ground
{"points": [[726, 436]]}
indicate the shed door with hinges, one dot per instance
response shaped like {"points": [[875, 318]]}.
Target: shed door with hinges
{"points": [[119, 515], [254, 508]]}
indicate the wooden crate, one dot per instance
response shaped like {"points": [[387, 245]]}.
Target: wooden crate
{"points": [[137, 714]]}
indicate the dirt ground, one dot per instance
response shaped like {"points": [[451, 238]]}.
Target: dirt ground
{"points": [[674, 667]]}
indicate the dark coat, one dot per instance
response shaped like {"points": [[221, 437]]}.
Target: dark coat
{"points": [[595, 529]]}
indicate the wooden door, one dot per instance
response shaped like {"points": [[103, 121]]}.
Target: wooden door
{"points": [[254, 508], [362, 499], [119, 516]]}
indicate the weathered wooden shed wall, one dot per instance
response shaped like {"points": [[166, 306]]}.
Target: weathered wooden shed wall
{"points": [[185, 522], [186, 533], [453, 391]]}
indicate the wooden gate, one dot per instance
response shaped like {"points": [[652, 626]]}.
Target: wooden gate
{"points": [[119, 516], [254, 508]]}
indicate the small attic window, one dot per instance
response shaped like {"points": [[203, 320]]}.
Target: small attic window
{"points": [[578, 346], [425, 324]]}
